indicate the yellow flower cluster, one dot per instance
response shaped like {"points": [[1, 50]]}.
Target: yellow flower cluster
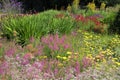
{"points": [[116, 61], [70, 55], [99, 50], [76, 4], [42, 57], [91, 6], [64, 58], [107, 52], [115, 41], [102, 6], [69, 8]]}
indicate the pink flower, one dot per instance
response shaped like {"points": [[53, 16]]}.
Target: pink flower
{"points": [[66, 46], [10, 52], [32, 39], [86, 62], [77, 68], [40, 50], [25, 62], [28, 56], [3, 67], [55, 47], [38, 65], [56, 71]]}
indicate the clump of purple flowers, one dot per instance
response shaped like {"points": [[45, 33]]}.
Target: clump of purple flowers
{"points": [[11, 6]]}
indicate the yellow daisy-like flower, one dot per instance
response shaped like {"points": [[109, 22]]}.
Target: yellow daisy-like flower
{"points": [[69, 53], [64, 58], [118, 63], [58, 56]]}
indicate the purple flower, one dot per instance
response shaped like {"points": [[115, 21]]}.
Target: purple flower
{"points": [[32, 39], [1, 71], [77, 68], [27, 56], [40, 50], [86, 62], [38, 65], [44, 40], [56, 71], [18, 58], [3, 67], [10, 52], [25, 62], [55, 47], [66, 46]]}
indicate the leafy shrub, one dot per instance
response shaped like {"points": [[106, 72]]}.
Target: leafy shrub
{"points": [[108, 17], [22, 28]]}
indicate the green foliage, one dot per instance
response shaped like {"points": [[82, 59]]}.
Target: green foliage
{"points": [[1, 52], [108, 17], [115, 26], [22, 28], [88, 26]]}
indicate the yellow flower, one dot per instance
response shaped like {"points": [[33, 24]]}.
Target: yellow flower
{"points": [[91, 6], [102, 6], [97, 65], [98, 56], [69, 57], [104, 61], [14, 33], [97, 60], [60, 64], [69, 53], [76, 53], [69, 8], [114, 58], [118, 63], [79, 31], [89, 56], [44, 57], [58, 56], [65, 58]]}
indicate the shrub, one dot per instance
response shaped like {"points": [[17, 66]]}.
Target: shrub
{"points": [[115, 26]]}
